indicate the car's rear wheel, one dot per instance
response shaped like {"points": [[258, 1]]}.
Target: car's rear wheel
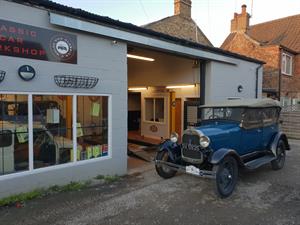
{"points": [[226, 176], [162, 170], [278, 163]]}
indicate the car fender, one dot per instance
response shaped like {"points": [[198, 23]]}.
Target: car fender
{"points": [[220, 154], [279, 136], [171, 147]]}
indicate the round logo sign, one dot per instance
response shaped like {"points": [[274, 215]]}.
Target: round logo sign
{"points": [[62, 47], [26, 72]]}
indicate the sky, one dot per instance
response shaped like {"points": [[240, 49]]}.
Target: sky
{"points": [[212, 16]]}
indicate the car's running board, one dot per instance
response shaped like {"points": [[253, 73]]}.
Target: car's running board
{"points": [[256, 163]]}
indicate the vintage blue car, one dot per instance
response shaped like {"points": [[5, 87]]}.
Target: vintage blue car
{"points": [[233, 134]]}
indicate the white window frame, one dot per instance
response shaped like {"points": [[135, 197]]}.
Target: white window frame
{"points": [[154, 115], [31, 170], [284, 61]]}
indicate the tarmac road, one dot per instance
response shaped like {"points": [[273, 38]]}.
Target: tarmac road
{"points": [[263, 197]]}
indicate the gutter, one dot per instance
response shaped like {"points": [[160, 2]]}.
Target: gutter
{"points": [[256, 80]]}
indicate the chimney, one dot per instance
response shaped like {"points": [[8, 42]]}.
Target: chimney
{"points": [[240, 22], [183, 8]]}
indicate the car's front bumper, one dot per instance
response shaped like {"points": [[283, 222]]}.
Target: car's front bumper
{"points": [[187, 169]]}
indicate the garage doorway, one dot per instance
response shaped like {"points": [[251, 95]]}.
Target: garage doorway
{"points": [[158, 84]]}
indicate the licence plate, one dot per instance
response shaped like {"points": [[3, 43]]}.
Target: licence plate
{"points": [[192, 170]]}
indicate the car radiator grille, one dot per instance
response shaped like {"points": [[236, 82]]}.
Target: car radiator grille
{"points": [[191, 150]]}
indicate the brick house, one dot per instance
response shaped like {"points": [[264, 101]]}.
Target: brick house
{"points": [[276, 42], [181, 24]]}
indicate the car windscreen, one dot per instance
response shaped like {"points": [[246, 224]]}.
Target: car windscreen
{"points": [[222, 113]]}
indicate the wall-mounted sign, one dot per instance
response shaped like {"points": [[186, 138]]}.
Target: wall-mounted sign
{"points": [[153, 128], [26, 72], [20, 40]]}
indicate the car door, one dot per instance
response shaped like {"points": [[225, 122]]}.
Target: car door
{"points": [[252, 131], [270, 128]]}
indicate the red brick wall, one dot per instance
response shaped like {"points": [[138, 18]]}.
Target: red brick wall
{"points": [[291, 84]]}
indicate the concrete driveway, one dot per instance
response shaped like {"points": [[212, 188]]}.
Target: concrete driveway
{"points": [[262, 197]]}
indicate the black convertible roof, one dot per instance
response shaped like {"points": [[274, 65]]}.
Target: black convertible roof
{"points": [[84, 15]]}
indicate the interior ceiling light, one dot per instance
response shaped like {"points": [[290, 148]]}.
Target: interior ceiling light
{"points": [[137, 89], [181, 86], [140, 57]]}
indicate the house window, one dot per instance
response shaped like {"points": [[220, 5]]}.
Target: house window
{"points": [[155, 109], [287, 64]]}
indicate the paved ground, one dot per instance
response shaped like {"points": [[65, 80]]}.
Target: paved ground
{"points": [[263, 197]]}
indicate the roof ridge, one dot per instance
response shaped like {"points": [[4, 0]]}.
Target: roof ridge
{"points": [[271, 21]]}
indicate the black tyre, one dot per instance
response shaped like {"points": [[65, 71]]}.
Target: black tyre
{"points": [[278, 163], [162, 170], [226, 176]]}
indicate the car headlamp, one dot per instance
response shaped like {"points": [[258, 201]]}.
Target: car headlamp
{"points": [[204, 141], [174, 137]]}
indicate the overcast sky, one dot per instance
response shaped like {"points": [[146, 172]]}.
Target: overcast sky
{"points": [[212, 16]]}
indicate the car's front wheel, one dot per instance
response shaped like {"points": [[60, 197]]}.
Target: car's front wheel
{"points": [[162, 170], [226, 176], [278, 163]]}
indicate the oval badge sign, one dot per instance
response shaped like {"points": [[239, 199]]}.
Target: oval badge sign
{"points": [[153, 128]]}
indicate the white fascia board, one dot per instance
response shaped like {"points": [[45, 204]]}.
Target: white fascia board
{"points": [[69, 22]]}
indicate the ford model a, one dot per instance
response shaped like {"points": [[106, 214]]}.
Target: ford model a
{"points": [[233, 134]]}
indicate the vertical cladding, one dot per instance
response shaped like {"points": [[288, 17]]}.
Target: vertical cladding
{"points": [[96, 57]]}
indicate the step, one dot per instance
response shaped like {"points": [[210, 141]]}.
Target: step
{"points": [[256, 163]]}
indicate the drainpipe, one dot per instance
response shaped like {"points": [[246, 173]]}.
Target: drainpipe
{"points": [[256, 81], [202, 81], [279, 74]]}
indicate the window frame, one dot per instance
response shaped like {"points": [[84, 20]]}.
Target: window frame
{"points": [[33, 170], [259, 121], [154, 109], [284, 68]]}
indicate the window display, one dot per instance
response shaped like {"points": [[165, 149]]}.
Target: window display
{"points": [[51, 142], [13, 133], [52, 130], [92, 127]]}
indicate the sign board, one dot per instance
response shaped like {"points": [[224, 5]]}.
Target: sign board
{"points": [[20, 40]]}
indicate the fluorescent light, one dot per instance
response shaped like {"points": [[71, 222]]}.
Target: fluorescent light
{"points": [[140, 57], [137, 89], [181, 86]]}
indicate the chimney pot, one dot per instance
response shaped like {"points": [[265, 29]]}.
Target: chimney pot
{"points": [[244, 9], [240, 22]]}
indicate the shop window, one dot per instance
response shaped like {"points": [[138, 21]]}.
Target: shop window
{"points": [[287, 64], [52, 130], [155, 109], [92, 127], [14, 151]]}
